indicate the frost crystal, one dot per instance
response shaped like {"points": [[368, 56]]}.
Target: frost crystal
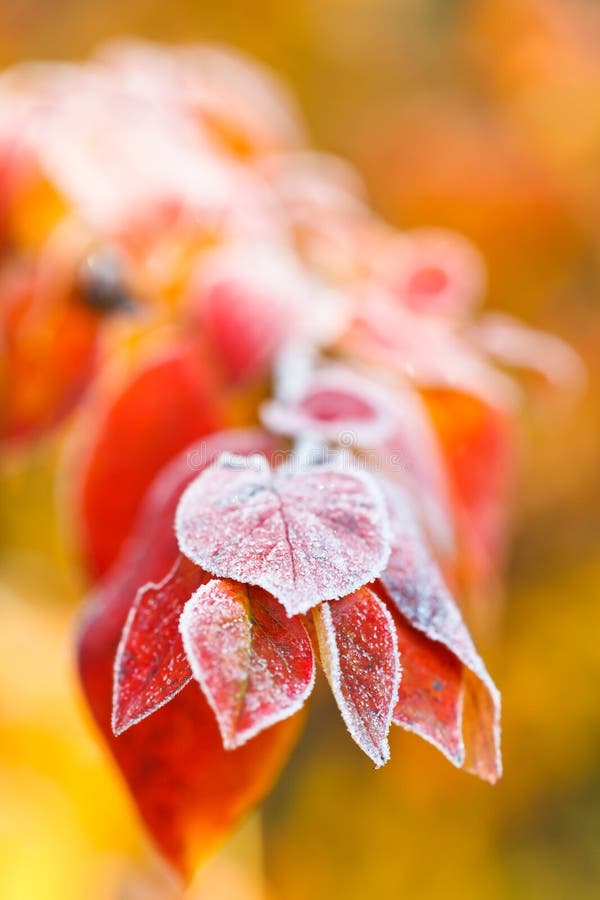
{"points": [[306, 536], [359, 652], [254, 664]]}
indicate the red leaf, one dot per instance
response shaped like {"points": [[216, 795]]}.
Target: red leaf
{"points": [[415, 459], [129, 437], [151, 666], [304, 536], [477, 441], [430, 701], [359, 652], [254, 664], [251, 299], [246, 327], [188, 789], [50, 341], [246, 305], [415, 585]]}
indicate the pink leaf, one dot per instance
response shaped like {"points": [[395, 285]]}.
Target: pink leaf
{"points": [[254, 664], [151, 666], [304, 535], [340, 405], [434, 271], [415, 585], [359, 652], [414, 458], [426, 349], [513, 344], [337, 405], [251, 299]]}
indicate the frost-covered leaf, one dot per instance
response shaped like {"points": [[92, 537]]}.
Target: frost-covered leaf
{"points": [[359, 653], [251, 298], [413, 456], [151, 666], [246, 327], [303, 533], [254, 664], [415, 585], [337, 405], [434, 271], [513, 344], [430, 700], [340, 405], [247, 111], [426, 349], [128, 435], [189, 791]]}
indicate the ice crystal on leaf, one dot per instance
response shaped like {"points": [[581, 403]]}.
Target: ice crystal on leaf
{"points": [[306, 535], [151, 665], [254, 664], [415, 585], [359, 652]]}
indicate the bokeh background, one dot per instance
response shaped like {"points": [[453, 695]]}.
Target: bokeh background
{"points": [[475, 114]]}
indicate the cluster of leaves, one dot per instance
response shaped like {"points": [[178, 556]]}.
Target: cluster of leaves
{"points": [[176, 267]]}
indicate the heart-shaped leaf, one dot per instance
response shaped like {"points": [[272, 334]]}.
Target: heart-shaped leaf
{"points": [[337, 404], [151, 666], [254, 664], [414, 583], [305, 534], [359, 653]]}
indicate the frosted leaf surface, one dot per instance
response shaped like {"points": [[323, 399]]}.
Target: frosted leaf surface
{"points": [[254, 664], [342, 406], [414, 583], [359, 653], [430, 701], [150, 665], [304, 533], [337, 403], [414, 456]]}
